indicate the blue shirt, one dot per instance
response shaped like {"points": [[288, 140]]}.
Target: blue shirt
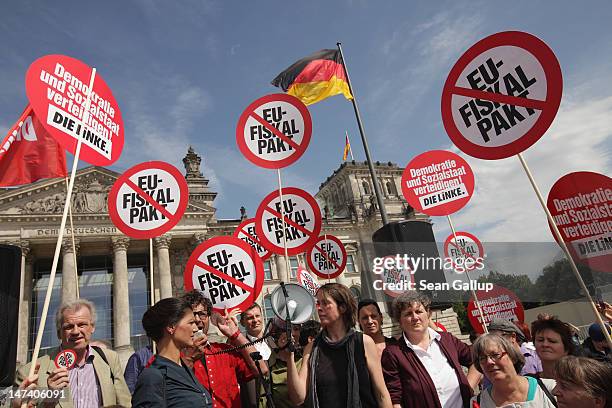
{"points": [[137, 362]]}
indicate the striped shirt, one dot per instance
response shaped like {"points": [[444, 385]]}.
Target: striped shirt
{"points": [[84, 385]]}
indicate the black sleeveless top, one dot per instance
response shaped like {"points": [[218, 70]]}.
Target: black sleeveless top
{"points": [[332, 369]]}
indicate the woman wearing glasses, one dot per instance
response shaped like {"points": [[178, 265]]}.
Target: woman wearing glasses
{"points": [[500, 362], [423, 368]]}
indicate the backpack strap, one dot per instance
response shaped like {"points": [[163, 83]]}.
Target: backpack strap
{"points": [[545, 389], [101, 353]]}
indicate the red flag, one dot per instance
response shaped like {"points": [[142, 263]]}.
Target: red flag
{"points": [[28, 153]]}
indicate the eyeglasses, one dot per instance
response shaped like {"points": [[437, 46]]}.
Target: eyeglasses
{"points": [[493, 356], [201, 315]]}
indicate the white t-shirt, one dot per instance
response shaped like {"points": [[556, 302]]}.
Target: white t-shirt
{"points": [[439, 369], [261, 346], [536, 399]]}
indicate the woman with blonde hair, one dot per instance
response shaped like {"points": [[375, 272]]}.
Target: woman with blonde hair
{"points": [[501, 362]]}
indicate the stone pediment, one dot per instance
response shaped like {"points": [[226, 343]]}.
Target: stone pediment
{"points": [[89, 197], [91, 187]]}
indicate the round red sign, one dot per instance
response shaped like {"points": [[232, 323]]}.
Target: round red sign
{"points": [[223, 269], [466, 255], [302, 221], [496, 303], [246, 232], [65, 358], [274, 131], [438, 182], [581, 205], [327, 258], [148, 199], [502, 95], [57, 87]]}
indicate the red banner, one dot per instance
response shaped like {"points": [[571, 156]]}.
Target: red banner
{"points": [[28, 153]]}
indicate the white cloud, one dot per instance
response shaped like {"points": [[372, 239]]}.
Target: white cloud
{"points": [[163, 134], [416, 58], [504, 206]]}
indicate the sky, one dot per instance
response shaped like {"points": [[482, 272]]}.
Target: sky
{"points": [[183, 72]]}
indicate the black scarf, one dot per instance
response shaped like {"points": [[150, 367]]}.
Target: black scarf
{"points": [[352, 380]]}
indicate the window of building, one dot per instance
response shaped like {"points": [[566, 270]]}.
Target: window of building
{"points": [[390, 188], [268, 312], [268, 270], [294, 267], [366, 187], [350, 264], [95, 285]]}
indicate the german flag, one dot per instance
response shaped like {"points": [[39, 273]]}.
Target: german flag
{"points": [[315, 77]]}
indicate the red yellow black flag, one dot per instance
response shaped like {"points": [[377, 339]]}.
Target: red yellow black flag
{"points": [[314, 78]]}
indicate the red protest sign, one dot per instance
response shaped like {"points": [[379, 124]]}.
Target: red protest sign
{"points": [[148, 199], [57, 87], [467, 254], [327, 258], [581, 205], [223, 269], [502, 95], [498, 303], [302, 221], [246, 232], [307, 281], [274, 131], [438, 182], [65, 358]]}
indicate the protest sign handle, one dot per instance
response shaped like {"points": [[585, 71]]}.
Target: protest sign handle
{"points": [[60, 235], [151, 288], [325, 240], [282, 211], [74, 251], [563, 246], [467, 274]]}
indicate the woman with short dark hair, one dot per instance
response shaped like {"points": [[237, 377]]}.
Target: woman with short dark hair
{"points": [[341, 367], [553, 340], [423, 368], [501, 362], [167, 382], [583, 382]]}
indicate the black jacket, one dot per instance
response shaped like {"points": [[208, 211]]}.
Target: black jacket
{"points": [[166, 384], [589, 350]]}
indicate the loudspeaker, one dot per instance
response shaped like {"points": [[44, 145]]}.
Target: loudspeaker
{"points": [[300, 303], [10, 273], [416, 239]]}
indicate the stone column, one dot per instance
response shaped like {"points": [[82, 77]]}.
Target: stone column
{"points": [[121, 299], [69, 270], [25, 298], [281, 268], [163, 265]]}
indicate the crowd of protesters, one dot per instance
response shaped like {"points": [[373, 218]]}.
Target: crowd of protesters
{"points": [[325, 362]]}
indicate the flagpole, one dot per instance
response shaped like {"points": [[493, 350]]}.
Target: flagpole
{"points": [[381, 206]]}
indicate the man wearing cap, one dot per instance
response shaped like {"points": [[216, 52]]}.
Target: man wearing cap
{"points": [[511, 332], [595, 346]]}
